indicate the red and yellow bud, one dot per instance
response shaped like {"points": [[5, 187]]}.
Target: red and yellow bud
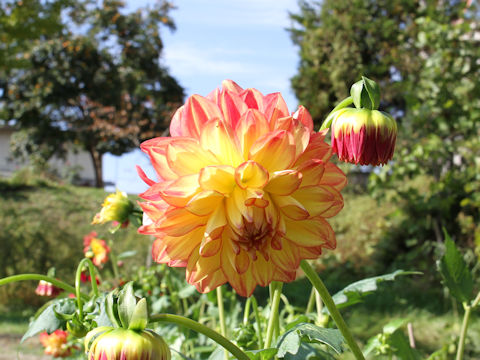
{"points": [[363, 136], [56, 343], [107, 343], [96, 249], [116, 207], [243, 192]]}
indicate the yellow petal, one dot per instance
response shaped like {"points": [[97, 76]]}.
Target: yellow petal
{"points": [[310, 232], [218, 138], [256, 198], [216, 220], [179, 192], [218, 178], [251, 174], [204, 202], [315, 199], [312, 172], [178, 222], [290, 207], [185, 156], [274, 151], [284, 182], [334, 177], [250, 127], [287, 257]]}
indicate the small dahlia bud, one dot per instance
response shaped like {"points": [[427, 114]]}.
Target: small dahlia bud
{"points": [[116, 207], [45, 288], [363, 136], [124, 344]]}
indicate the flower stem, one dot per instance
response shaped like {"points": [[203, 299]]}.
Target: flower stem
{"points": [[78, 282], [342, 104], [221, 315], [258, 321], [311, 301], [246, 312], [328, 301], [463, 332], [273, 320], [53, 281], [202, 329]]}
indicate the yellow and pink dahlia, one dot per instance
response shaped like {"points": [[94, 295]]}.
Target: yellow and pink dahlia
{"points": [[96, 249], [243, 192], [55, 344]]}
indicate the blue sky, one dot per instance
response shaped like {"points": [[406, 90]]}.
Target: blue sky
{"points": [[242, 40]]}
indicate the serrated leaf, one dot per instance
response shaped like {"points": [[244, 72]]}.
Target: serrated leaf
{"points": [[308, 352], [355, 292], [126, 304], [139, 319], [48, 320], [394, 325], [264, 354], [290, 341], [455, 273], [100, 313]]}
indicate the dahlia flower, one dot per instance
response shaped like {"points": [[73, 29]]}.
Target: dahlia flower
{"points": [[243, 192], [45, 288], [56, 343], [363, 136], [116, 208], [96, 249]]}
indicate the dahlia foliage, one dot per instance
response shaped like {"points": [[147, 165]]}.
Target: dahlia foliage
{"points": [[243, 192]]}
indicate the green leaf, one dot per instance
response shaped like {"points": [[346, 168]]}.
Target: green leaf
{"points": [[373, 92], [290, 341], [398, 340], [308, 352], [187, 291], [455, 273], [127, 254], [355, 292], [264, 354], [126, 304], [111, 307], [47, 320], [139, 319]]}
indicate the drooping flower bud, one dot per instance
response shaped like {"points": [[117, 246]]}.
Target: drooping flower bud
{"points": [[124, 344], [115, 207], [45, 288], [363, 135]]}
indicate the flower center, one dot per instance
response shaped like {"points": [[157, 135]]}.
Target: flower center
{"points": [[253, 236]]}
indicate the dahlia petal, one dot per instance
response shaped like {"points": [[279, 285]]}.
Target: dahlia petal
{"points": [[315, 199], [251, 174], [210, 246], [243, 284], [199, 267], [232, 86], [274, 151], [218, 178], [186, 157], [317, 149], [291, 207], [310, 232], [304, 117], [336, 204], [274, 108], [284, 275], [288, 257], [156, 149], [242, 262], [144, 176], [218, 137], [312, 172], [190, 118], [334, 177], [253, 98], [216, 220], [263, 271], [179, 221], [211, 281], [204, 202], [250, 127], [154, 210], [284, 182], [179, 192], [181, 247], [256, 197], [232, 106]]}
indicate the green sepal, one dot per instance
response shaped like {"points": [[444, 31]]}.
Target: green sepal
{"points": [[76, 327], [139, 319], [365, 94], [111, 308], [126, 304]]}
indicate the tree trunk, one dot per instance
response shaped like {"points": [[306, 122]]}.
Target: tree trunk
{"points": [[97, 167]]}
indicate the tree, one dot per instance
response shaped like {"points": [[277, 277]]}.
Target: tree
{"points": [[103, 88]]}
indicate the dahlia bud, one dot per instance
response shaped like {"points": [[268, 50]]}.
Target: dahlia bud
{"points": [[55, 344], [115, 344], [363, 135], [45, 288], [115, 207]]}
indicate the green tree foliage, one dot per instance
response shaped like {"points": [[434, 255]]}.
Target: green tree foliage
{"points": [[424, 54], [96, 82]]}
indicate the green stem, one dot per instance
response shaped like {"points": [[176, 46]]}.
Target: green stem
{"points": [[78, 283], [273, 320], [246, 312], [319, 303], [311, 302], [476, 301], [221, 315], [38, 277], [342, 104], [335, 314], [463, 332], [202, 329], [258, 321], [113, 259]]}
